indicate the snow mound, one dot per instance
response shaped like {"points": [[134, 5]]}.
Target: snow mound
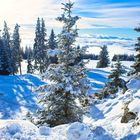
{"points": [[134, 84], [78, 131], [25, 130], [18, 130], [43, 130], [13, 128]]}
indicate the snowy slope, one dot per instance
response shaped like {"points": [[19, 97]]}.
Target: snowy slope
{"points": [[102, 123], [16, 95]]}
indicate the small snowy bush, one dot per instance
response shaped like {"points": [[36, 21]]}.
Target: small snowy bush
{"points": [[78, 131]]}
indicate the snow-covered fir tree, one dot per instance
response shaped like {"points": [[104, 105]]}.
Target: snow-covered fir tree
{"points": [[8, 57], [43, 54], [115, 80], [103, 58], [116, 72], [40, 56], [16, 50], [3, 60], [52, 46], [136, 65], [30, 68], [27, 51], [68, 80], [37, 43], [52, 40]]}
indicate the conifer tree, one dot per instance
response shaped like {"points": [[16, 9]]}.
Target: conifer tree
{"points": [[30, 68], [136, 65], [37, 43], [52, 41], [68, 80], [52, 46], [6, 43], [4, 68], [43, 48], [27, 51], [103, 58], [40, 56], [116, 72], [16, 50], [115, 81]]}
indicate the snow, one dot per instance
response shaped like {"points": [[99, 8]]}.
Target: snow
{"points": [[52, 53], [13, 128], [78, 131], [134, 84], [17, 96], [103, 122], [17, 129], [44, 130]]}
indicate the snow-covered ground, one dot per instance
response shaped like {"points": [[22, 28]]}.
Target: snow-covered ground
{"points": [[17, 97]]}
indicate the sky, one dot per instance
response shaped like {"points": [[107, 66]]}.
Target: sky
{"points": [[104, 17]]}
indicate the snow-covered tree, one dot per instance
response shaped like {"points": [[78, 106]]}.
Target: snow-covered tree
{"points": [[52, 46], [43, 55], [68, 80], [136, 65], [117, 71], [26, 52], [7, 50], [16, 50], [40, 56], [30, 68], [37, 43], [3, 60], [115, 80], [103, 58], [52, 41]]}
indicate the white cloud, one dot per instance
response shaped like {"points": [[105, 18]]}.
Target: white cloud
{"points": [[25, 12]]}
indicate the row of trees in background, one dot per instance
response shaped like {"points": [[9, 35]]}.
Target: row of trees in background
{"points": [[123, 57], [43, 52], [40, 55], [10, 51]]}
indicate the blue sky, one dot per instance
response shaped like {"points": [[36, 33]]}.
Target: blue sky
{"points": [[110, 17], [106, 17]]}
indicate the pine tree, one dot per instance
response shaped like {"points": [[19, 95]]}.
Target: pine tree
{"points": [[4, 68], [27, 51], [68, 80], [43, 55], [136, 65], [116, 72], [103, 58], [115, 81], [7, 50], [40, 56], [37, 43], [52, 46], [52, 43], [30, 68], [16, 50]]}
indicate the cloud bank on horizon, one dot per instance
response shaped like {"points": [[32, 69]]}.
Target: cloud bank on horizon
{"points": [[116, 17]]}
